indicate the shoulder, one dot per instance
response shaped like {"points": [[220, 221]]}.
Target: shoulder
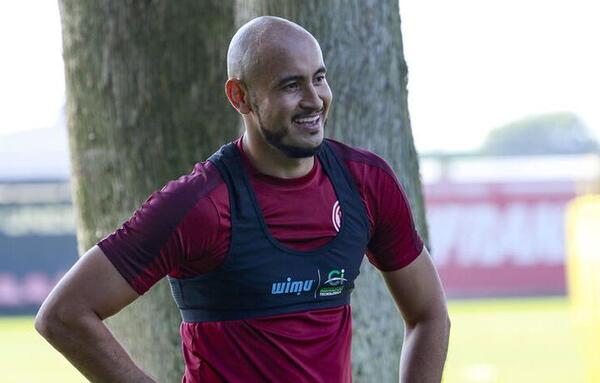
{"points": [[201, 181], [359, 156], [159, 217], [368, 170], [179, 196], [189, 194]]}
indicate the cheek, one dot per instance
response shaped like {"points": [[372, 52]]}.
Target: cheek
{"points": [[287, 108], [282, 105], [277, 117]]}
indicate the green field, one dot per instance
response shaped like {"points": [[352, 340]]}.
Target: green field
{"points": [[513, 341], [26, 357]]}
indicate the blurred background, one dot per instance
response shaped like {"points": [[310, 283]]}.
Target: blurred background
{"points": [[503, 97]]}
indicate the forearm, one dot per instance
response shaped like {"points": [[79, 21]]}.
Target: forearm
{"points": [[424, 351], [88, 344]]}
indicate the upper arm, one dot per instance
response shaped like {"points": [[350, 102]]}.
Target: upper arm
{"points": [[417, 290], [91, 285]]}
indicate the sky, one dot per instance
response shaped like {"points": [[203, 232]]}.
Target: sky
{"points": [[473, 65], [32, 88]]}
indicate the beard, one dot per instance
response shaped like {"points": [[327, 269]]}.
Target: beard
{"points": [[275, 139]]}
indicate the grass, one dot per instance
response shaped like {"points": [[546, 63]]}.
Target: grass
{"points": [[513, 340], [26, 357], [492, 341]]}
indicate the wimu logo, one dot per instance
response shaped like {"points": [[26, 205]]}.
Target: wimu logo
{"points": [[290, 287], [333, 285]]}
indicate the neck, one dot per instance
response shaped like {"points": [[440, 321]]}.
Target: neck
{"points": [[271, 161]]}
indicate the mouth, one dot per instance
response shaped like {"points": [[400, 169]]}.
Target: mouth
{"points": [[311, 123]]}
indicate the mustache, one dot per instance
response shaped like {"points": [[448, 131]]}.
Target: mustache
{"points": [[308, 114]]}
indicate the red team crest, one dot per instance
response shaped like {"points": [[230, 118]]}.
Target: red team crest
{"points": [[336, 216]]}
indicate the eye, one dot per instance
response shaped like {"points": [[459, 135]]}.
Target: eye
{"points": [[320, 79], [291, 86]]}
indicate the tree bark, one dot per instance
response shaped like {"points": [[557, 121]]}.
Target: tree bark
{"points": [[145, 101], [362, 47]]}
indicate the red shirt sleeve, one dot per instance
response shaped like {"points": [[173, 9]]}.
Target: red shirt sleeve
{"points": [[158, 238], [394, 242]]}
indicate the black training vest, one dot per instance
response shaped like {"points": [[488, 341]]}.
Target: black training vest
{"points": [[260, 276]]}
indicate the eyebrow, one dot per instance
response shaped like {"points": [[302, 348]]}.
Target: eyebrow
{"points": [[297, 77]]}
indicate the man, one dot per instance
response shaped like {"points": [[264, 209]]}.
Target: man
{"points": [[261, 243]]}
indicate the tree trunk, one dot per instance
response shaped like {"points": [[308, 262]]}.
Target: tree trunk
{"points": [[145, 102], [362, 48]]}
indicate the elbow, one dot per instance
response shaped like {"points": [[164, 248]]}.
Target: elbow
{"points": [[439, 321], [46, 322], [51, 321]]}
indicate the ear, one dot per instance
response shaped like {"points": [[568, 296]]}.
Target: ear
{"points": [[238, 95]]}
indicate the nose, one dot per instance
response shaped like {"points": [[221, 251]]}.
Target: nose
{"points": [[311, 98]]}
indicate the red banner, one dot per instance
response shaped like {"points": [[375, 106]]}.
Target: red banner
{"points": [[492, 239]]}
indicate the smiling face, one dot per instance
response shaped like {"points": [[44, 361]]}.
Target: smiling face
{"points": [[287, 95], [290, 97]]}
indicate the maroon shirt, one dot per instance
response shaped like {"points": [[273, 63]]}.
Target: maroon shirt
{"points": [[184, 230]]}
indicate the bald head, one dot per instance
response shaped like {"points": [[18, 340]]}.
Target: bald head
{"points": [[257, 41], [277, 83]]}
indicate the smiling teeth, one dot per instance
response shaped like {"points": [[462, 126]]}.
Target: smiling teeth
{"points": [[307, 119]]}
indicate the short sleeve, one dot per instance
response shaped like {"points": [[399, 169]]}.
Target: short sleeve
{"points": [[394, 242], [151, 243]]}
